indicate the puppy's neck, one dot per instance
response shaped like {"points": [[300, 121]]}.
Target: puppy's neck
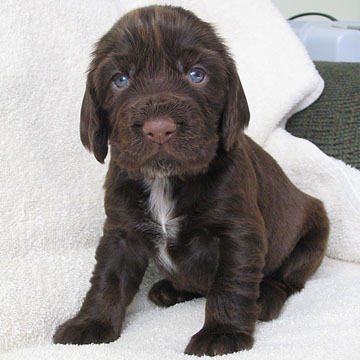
{"points": [[160, 204]]}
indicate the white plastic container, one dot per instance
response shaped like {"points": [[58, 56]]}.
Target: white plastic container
{"points": [[330, 40]]}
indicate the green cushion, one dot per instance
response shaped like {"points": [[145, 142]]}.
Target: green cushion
{"points": [[333, 121]]}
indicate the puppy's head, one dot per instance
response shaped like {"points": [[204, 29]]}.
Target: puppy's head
{"points": [[163, 91]]}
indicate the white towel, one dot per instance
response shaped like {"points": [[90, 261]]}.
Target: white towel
{"points": [[321, 322], [51, 207]]}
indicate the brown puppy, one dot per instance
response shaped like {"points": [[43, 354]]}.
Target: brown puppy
{"points": [[187, 188]]}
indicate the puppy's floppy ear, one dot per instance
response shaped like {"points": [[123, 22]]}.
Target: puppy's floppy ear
{"points": [[94, 128], [236, 113]]}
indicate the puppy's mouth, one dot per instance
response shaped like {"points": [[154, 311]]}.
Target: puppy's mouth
{"points": [[161, 161], [169, 160]]}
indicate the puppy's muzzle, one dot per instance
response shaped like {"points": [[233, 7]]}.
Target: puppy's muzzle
{"points": [[159, 130]]}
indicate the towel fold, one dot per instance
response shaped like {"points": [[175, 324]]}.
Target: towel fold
{"points": [[329, 179]]}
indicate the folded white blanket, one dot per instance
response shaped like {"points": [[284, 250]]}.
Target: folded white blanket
{"points": [[329, 179], [51, 207]]}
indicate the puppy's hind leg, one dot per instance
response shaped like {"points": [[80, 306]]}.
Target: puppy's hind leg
{"points": [[164, 294], [298, 266]]}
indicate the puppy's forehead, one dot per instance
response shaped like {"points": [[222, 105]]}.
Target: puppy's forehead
{"points": [[158, 32]]}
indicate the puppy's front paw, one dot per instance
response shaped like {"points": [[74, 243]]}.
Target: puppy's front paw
{"points": [[84, 331], [210, 342]]}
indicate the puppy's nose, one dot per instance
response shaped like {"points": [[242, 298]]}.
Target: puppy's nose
{"points": [[159, 130]]}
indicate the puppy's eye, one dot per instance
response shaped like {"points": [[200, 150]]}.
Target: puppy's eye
{"points": [[121, 81], [196, 75]]}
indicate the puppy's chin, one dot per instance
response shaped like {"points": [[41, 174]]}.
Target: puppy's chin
{"points": [[164, 167], [160, 168]]}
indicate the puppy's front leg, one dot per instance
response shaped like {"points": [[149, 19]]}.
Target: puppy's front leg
{"points": [[231, 309], [120, 267]]}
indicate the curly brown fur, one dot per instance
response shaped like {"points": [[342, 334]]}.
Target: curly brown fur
{"points": [[215, 211]]}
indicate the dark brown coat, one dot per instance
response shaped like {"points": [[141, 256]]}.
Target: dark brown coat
{"points": [[215, 211]]}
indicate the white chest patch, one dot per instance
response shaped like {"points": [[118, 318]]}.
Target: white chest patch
{"points": [[161, 207]]}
